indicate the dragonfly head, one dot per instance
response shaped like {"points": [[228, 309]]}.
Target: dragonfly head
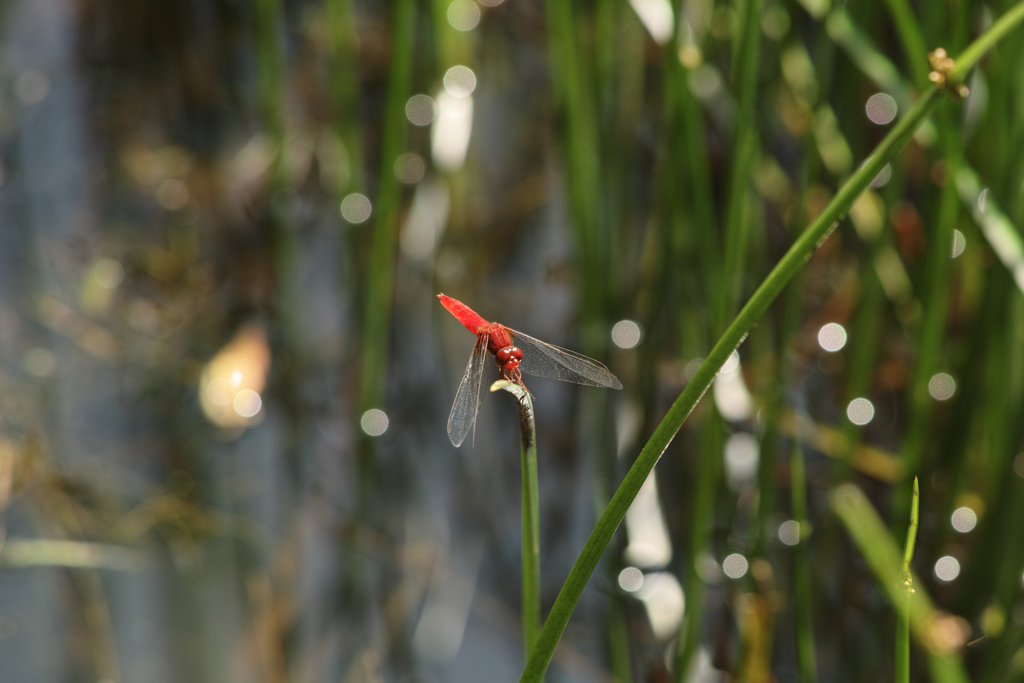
{"points": [[508, 359]]}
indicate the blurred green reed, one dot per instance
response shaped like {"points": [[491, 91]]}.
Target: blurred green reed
{"points": [[802, 581], [380, 273]]}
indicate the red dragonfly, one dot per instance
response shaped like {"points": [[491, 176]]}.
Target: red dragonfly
{"points": [[515, 353]]}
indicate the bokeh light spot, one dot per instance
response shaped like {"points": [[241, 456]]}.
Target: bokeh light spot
{"points": [[789, 532], [374, 422], [631, 579], [460, 81], [247, 403], [941, 386], [964, 519], [108, 273], [734, 566], [420, 110], [947, 568], [881, 108], [355, 208], [626, 334], [860, 411], [742, 451], [959, 243], [832, 337], [883, 177], [409, 168], [1018, 465], [463, 15], [731, 364]]}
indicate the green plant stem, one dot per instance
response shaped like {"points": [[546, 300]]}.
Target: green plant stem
{"points": [[766, 293], [736, 222], [343, 48], [882, 555], [531, 512], [571, 83], [903, 616], [377, 323], [806, 658]]}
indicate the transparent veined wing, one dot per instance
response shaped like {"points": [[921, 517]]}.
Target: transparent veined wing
{"points": [[541, 359], [467, 400]]}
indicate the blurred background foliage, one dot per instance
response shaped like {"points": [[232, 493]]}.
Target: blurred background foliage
{"points": [[226, 377]]}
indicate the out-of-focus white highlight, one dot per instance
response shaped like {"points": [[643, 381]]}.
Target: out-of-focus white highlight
{"points": [[708, 569], [959, 243], [459, 81], [663, 599], [230, 384], [941, 386], [964, 519], [731, 394], [649, 544], [881, 108], [1018, 465], [789, 532], [832, 337], [355, 208], [374, 422], [247, 403], [883, 177], [630, 579], [657, 17], [947, 568], [626, 334], [449, 136], [860, 411], [735, 566], [463, 15], [421, 110], [741, 455], [426, 220]]}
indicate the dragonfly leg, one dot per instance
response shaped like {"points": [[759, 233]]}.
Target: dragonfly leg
{"points": [[517, 377]]}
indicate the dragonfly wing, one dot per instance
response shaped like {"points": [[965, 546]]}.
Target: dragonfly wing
{"points": [[541, 359], [467, 400]]}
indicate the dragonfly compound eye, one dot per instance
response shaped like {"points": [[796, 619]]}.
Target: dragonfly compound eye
{"points": [[504, 354], [516, 353]]}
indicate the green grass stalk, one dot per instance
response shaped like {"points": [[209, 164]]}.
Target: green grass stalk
{"points": [[531, 512], [909, 32], [381, 276], [766, 293], [882, 555], [343, 49], [736, 223], [903, 615], [805, 651]]}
